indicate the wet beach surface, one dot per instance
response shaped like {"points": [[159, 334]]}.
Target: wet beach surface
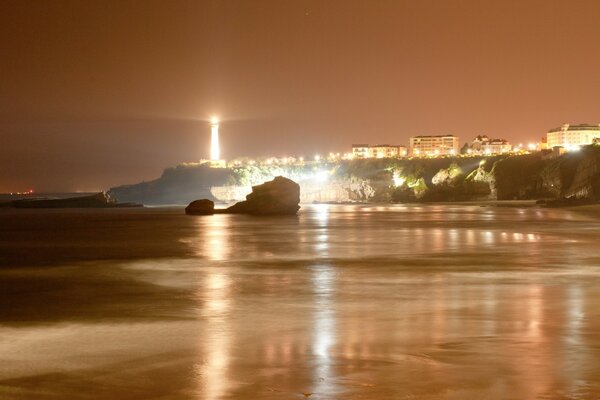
{"points": [[348, 302]]}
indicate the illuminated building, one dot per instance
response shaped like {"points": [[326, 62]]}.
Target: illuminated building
{"points": [[360, 150], [571, 137], [378, 151], [386, 151], [434, 145], [215, 152], [482, 144]]}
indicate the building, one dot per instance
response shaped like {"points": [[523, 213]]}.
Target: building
{"points": [[386, 151], [433, 145], [378, 151], [571, 137], [360, 151], [482, 144]]}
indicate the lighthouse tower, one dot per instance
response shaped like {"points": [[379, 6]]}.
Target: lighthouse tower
{"points": [[215, 153]]}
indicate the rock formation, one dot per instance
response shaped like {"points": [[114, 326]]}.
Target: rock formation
{"points": [[281, 196], [200, 207], [178, 185]]}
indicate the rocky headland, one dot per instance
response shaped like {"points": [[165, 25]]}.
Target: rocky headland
{"points": [[570, 178], [281, 196]]}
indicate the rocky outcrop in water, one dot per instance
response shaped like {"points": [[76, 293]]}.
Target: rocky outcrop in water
{"points": [[281, 196], [200, 207]]}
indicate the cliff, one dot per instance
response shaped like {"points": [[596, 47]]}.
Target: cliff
{"points": [[502, 177], [178, 185]]}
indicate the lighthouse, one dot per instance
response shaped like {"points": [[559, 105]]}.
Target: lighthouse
{"points": [[215, 153]]}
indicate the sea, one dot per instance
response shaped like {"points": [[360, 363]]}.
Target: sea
{"points": [[339, 302]]}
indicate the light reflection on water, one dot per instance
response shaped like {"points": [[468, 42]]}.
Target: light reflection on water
{"points": [[323, 327], [428, 302], [216, 335]]}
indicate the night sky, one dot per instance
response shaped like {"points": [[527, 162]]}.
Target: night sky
{"points": [[99, 93]]}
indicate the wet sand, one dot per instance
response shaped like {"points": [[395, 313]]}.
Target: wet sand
{"points": [[341, 302]]}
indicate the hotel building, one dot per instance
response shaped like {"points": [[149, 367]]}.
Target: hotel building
{"points": [[434, 145], [484, 145], [571, 137], [378, 151], [360, 151]]}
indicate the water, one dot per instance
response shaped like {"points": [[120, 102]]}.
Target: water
{"points": [[341, 302]]}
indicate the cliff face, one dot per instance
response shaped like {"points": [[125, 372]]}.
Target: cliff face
{"points": [[585, 181], [570, 176], [178, 185], [506, 177]]}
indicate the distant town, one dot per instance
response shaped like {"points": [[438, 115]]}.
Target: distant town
{"points": [[568, 137]]}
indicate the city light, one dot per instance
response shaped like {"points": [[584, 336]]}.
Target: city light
{"points": [[481, 145], [321, 176], [398, 180]]}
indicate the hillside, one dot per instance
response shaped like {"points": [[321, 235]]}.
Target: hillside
{"points": [[502, 177]]}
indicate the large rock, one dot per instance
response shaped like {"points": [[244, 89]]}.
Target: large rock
{"points": [[281, 196], [200, 207]]}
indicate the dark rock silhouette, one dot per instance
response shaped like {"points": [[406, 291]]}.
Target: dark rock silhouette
{"points": [[200, 207], [281, 196], [177, 185]]}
